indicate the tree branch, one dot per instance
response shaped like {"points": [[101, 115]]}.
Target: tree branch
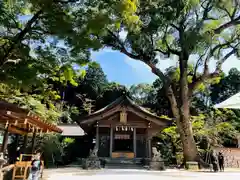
{"points": [[206, 75], [166, 81], [19, 37], [141, 57], [170, 50], [196, 67], [233, 22]]}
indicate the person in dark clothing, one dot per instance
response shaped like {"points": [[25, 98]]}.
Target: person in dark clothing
{"points": [[35, 171], [221, 161], [214, 163]]}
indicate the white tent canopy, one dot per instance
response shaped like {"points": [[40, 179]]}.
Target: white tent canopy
{"points": [[231, 103]]}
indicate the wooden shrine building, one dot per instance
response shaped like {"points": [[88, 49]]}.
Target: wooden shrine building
{"points": [[21, 121], [123, 129]]}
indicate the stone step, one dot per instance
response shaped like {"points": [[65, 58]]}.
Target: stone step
{"points": [[123, 161], [123, 166]]}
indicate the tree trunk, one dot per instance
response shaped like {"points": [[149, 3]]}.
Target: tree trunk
{"points": [[185, 130], [183, 121], [181, 111]]}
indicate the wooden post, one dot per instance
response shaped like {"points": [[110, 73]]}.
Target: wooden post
{"points": [[146, 144], [134, 143], [33, 141], [16, 148], [5, 140], [25, 144], [111, 141], [149, 147], [97, 136]]}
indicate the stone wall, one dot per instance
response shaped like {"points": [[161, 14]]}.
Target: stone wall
{"points": [[231, 156]]}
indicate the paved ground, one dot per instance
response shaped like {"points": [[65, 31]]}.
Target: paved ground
{"points": [[118, 174]]}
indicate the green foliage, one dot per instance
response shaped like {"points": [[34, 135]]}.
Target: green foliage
{"points": [[36, 42], [140, 93], [33, 102], [67, 141]]}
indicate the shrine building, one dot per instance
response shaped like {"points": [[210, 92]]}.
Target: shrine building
{"points": [[123, 129]]}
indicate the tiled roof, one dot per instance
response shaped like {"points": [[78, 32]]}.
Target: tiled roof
{"points": [[71, 130]]}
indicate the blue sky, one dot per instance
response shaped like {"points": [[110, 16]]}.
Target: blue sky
{"points": [[120, 68]]}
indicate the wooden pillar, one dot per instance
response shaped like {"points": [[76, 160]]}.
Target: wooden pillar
{"points": [[5, 140], [134, 142], [33, 141], [111, 141], [149, 147], [16, 148], [97, 135], [149, 141], [146, 147], [25, 141]]}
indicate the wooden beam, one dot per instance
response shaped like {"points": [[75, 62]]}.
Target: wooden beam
{"points": [[15, 130]]}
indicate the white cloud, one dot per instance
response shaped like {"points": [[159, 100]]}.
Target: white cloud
{"points": [[101, 52], [123, 35], [232, 62], [144, 72], [141, 67], [163, 64]]}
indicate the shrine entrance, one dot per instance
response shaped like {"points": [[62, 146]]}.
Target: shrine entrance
{"points": [[123, 141]]}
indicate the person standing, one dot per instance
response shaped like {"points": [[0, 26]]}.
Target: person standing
{"points": [[221, 161], [214, 162], [36, 166]]}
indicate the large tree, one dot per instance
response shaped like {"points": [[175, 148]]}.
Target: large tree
{"points": [[204, 29]]}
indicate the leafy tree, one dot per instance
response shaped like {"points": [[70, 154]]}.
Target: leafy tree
{"points": [[111, 92], [94, 82], [206, 29], [51, 35], [36, 42], [41, 104], [227, 87], [140, 93]]}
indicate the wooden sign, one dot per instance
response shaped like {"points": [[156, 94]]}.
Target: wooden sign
{"points": [[123, 117]]}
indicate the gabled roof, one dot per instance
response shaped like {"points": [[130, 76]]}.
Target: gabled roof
{"points": [[124, 101]]}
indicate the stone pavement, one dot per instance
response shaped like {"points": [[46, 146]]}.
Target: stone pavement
{"points": [[123, 174]]}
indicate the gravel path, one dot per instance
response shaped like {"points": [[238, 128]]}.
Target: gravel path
{"points": [[118, 174]]}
